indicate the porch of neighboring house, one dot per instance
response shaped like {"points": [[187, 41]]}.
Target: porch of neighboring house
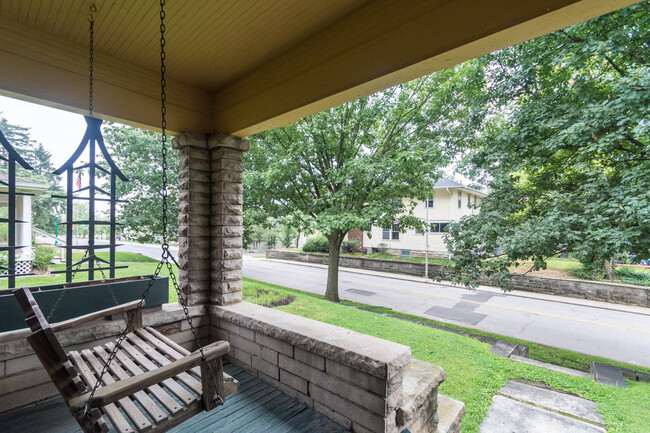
{"points": [[256, 407], [26, 192]]}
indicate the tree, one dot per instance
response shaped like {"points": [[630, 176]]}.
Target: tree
{"points": [[287, 235], [45, 208], [137, 153], [351, 166], [567, 149]]}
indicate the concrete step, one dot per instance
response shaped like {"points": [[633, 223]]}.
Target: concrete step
{"points": [[506, 349], [450, 414], [420, 397], [552, 400], [559, 369], [508, 415], [607, 374]]}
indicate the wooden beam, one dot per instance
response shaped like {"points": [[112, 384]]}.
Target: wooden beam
{"points": [[382, 44], [39, 67]]}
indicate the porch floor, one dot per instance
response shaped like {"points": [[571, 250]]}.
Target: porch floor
{"points": [[256, 407]]}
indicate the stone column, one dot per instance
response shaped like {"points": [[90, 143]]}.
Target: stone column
{"points": [[226, 219], [194, 218]]}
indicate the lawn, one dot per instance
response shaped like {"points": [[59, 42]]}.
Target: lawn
{"points": [[473, 374], [137, 265]]}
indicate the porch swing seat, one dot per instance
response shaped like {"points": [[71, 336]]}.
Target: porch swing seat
{"points": [[152, 384]]}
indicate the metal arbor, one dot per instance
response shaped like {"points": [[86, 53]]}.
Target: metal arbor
{"points": [[12, 157], [91, 140]]}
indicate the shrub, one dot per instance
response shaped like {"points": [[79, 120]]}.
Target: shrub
{"points": [[349, 246], [318, 244], [43, 258]]}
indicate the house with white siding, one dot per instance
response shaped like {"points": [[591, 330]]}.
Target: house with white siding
{"points": [[449, 202]]}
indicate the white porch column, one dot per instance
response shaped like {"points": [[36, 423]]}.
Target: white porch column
{"points": [[24, 230]]}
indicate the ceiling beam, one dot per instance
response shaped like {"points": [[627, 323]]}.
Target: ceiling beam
{"points": [[384, 43], [38, 67]]}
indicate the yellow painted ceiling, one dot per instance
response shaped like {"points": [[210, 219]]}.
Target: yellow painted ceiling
{"points": [[209, 42], [242, 66]]}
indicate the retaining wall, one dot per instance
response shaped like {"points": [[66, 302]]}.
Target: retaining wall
{"points": [[627, 294]]}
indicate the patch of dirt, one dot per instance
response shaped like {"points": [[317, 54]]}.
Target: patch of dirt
{"points": [[284, 301], [554, 273]]}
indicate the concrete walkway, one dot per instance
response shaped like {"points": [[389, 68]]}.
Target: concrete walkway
{"points": [[527, 408]]}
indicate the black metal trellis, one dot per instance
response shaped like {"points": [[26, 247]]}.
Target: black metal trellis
{"points": [[12, 157], [91, 140]]}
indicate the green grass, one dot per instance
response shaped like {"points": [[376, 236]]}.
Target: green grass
{"points": [[120, 256], [473, 374], [134, 268]]}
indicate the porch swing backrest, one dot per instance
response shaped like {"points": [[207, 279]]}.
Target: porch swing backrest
{"points": [[182, 397]]}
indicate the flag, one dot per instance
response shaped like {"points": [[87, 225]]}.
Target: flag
{"points": [[78, 183]]}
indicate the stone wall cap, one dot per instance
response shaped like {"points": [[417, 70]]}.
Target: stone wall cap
{"points": [[380, 358]]}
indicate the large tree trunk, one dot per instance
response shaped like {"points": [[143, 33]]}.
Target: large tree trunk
{"points": [[609, 269], [335, 240]]}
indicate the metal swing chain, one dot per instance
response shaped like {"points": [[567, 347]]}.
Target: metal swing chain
{"points": [[66, 286], [166, 255]]}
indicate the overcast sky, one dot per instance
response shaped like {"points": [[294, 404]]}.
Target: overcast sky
{"points": [[59, 131]]}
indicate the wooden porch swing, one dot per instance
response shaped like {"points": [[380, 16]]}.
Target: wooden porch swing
{"points": [[143, 381]]}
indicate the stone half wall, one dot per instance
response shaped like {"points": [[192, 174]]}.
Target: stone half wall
{"points": [[355, 379], [24, 381], [627, 294]]}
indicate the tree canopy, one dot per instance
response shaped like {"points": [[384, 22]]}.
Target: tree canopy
{"points": [[565, 149], [44, 208], [136, 152], [351, 166]]}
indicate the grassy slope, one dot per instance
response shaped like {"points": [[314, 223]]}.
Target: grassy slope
{"points": [[473, 374]]}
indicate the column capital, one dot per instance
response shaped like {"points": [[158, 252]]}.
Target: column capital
{"points": [[190, 140], [218, 140]]}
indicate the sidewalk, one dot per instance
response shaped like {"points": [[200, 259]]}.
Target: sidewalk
{"points": [[517, 293]]}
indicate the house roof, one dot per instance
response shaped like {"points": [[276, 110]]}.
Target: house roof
{"points": [[24, 185], [444, 183]]}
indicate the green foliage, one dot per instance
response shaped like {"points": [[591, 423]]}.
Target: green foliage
{"points": [[137, 153], [42, 258], [567, 149], [287, 235], [317, 244], [640, 277], [350, 166], [44, 208], [349, 247]]}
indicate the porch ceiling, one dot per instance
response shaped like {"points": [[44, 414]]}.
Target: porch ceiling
{"points": [[242, 66]]}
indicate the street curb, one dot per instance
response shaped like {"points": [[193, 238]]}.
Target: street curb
{"points": [[542, 297]]}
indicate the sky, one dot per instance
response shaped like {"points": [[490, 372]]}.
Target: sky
{"points": [[59, 131]]}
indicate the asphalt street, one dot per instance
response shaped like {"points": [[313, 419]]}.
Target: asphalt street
{"points": [[621, 334]]}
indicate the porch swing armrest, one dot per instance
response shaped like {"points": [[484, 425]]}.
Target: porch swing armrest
{"points": [[122, 308], [118, 390]]}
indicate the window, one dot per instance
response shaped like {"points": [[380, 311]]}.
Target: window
{"points": [[460, 199], [475, 200], [469, 200], [438, 227], [391, 233], [428, 202]]}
